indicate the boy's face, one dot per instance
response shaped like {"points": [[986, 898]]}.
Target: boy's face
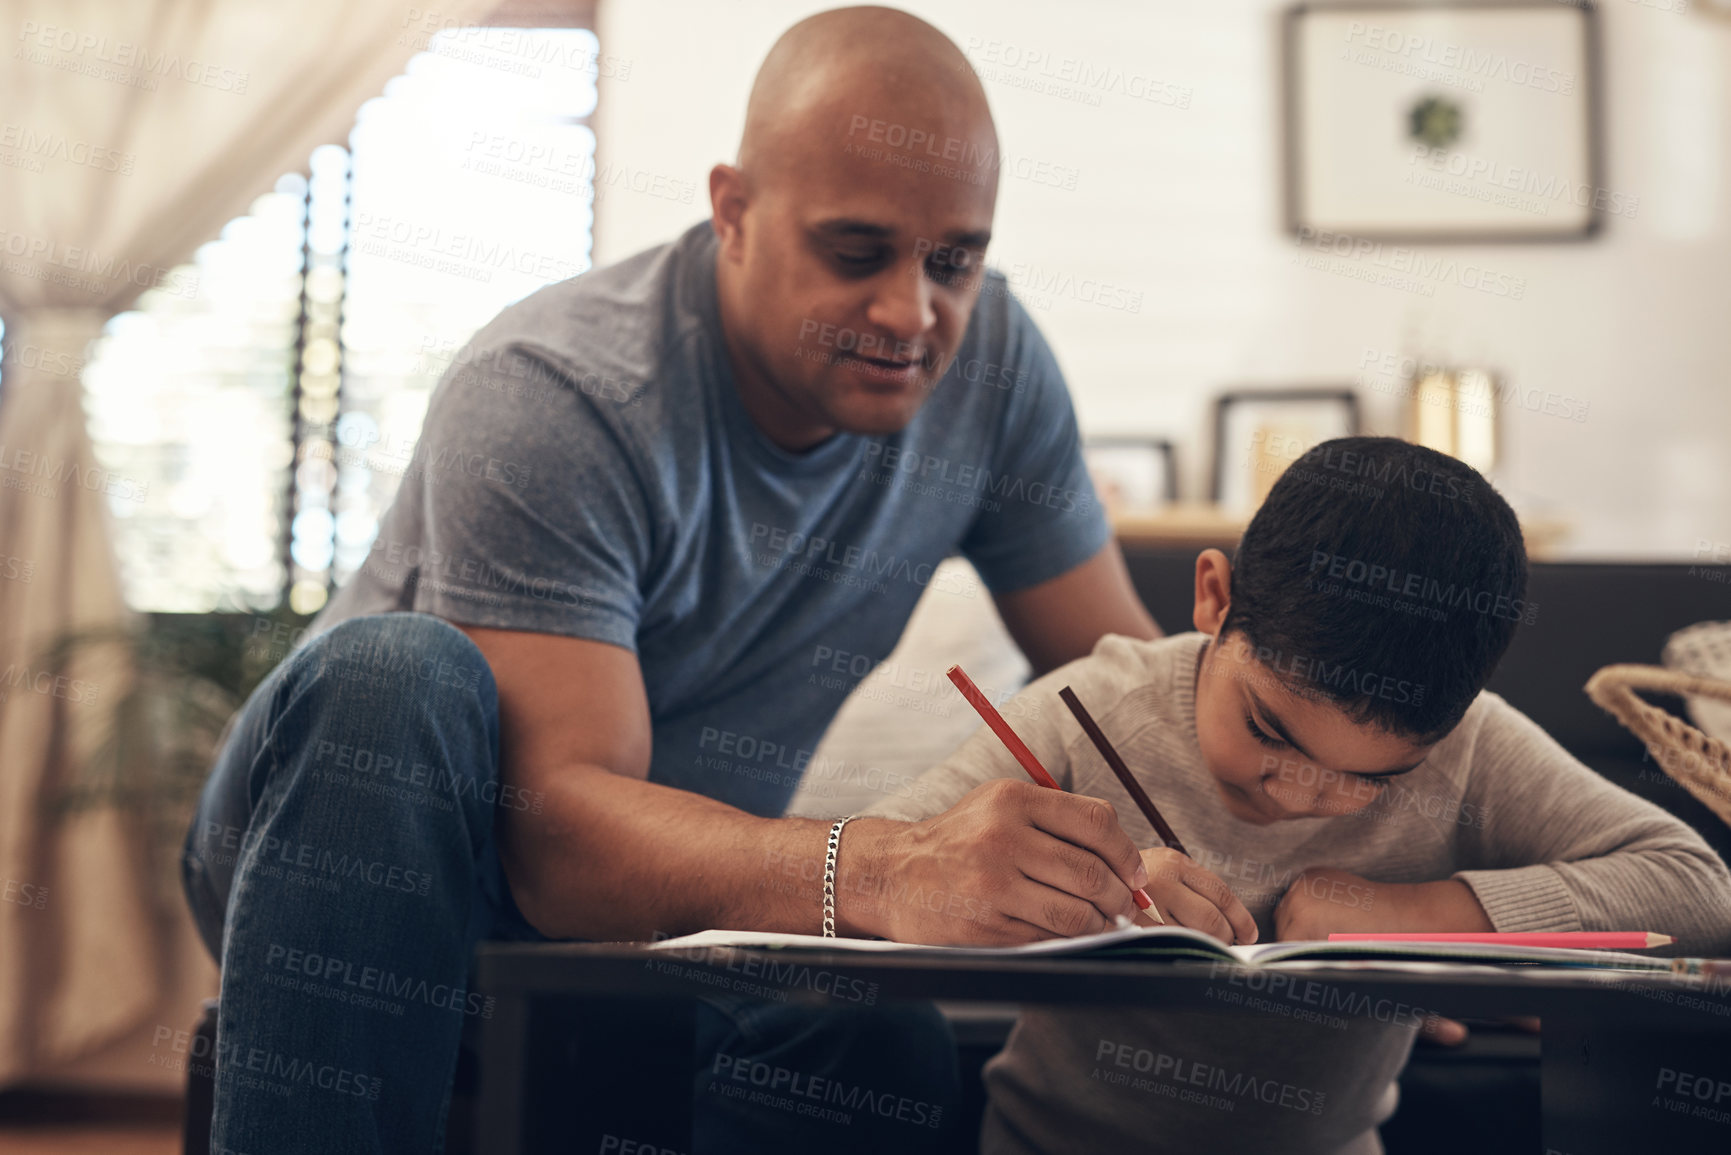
{"points": [[1279, 753]]}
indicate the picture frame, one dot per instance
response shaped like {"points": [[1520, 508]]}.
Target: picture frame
{"points": [[1258, 432], [1444, 121], [1132, 474]]}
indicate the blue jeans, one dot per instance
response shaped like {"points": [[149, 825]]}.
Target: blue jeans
{"points": [[341, 869]]}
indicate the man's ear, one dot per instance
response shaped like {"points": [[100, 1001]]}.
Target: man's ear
{"points": [[1213, 591], [727, 209]]}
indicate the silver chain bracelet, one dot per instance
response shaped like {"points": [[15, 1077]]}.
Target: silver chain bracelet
{"points": [[829, 876]]}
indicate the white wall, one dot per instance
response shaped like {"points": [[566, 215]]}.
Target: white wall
{"points": [[1182, 205]]}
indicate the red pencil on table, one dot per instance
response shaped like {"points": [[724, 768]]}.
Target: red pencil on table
{"points": [[1579, 939], [1019, 749]]}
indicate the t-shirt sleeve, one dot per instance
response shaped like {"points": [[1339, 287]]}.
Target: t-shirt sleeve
{"points": [[536, 513], [1043, 518]]}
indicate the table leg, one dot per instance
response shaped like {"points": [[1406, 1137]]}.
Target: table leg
{"points": [[1612, 1090], [627, 1076], [503, 1076]]}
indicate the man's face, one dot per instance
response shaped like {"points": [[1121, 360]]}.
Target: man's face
{"points": [[858, 274], [1278, 754]]}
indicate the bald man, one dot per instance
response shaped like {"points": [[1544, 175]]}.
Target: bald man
{"points": [[575, 685]]}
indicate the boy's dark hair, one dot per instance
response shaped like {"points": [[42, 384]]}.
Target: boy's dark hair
{"points": [[1384, 576]]}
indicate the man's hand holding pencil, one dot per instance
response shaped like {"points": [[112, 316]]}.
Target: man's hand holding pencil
{"points": [[1012, 862]]}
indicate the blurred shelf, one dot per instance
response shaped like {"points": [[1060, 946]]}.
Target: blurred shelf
{"points": [[1200, 525], [1181, 525]]}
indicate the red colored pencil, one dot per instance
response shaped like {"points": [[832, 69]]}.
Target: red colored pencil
{"points": [[1025, 756], [1580, 939]]}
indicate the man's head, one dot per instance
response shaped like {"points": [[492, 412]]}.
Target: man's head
{"points": [[1369, 602], [853, 227]]}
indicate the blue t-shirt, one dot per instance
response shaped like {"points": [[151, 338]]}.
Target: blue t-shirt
{"points": [[586, 469]]}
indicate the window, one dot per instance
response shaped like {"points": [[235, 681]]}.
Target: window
{"points": [[271, 415], [185, 396]]}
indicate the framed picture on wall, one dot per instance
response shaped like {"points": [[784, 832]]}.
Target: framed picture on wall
{"points": [[1259, 432], [1448, 120], [1132, 474]]}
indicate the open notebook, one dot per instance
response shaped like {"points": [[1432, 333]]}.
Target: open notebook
{"points": [[1181, 943]]}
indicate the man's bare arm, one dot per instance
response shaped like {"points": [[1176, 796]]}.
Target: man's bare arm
{"points": [[1059, 620], [613, 856]]}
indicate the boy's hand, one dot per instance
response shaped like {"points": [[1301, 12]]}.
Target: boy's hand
{"points": [[1324, 901], [1186, 894]]}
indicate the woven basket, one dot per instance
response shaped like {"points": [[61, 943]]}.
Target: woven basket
{"points": [[1699, 763], [1705, 649]]}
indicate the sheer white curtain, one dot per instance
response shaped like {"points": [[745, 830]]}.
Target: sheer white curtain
{"points": [[130, 133]]}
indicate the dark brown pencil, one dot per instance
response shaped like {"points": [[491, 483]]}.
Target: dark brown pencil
{"points": [[1143, 802]]}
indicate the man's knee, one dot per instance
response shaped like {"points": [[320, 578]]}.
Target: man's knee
{"points": [[409, 703], [409, 653]]}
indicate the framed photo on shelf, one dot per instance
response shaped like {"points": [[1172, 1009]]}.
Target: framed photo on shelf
{"points": [[1132, 474], [1259, 432], [1444, 120]]}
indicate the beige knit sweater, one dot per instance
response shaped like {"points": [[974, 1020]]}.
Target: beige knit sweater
{"points": [[1543, 841]]}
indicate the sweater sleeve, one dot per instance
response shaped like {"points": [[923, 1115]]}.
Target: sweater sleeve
{"points": [[1033, 714], [1560, 848]]}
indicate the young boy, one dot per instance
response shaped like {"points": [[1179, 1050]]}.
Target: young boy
{"points": [[1325, 749]]}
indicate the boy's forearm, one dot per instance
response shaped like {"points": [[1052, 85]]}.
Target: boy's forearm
{"points": [[1683, 890], [1321, 902], [1448, 905]]}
